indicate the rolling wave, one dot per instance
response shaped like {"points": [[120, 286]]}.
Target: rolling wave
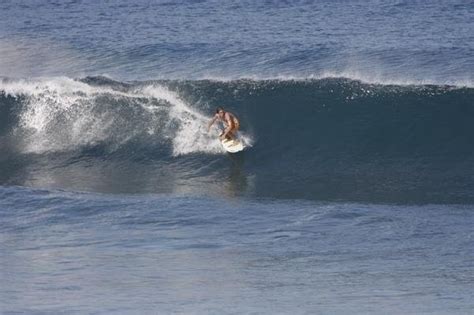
{"points": [[58, 115], [332, 138]]}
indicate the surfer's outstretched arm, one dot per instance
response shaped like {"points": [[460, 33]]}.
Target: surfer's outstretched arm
{"points": [[211, 123]]}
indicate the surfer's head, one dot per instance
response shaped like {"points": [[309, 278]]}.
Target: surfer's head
{"points": [[220, 111]]}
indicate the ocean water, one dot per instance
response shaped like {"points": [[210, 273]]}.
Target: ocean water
{"points": [[355, 193]]}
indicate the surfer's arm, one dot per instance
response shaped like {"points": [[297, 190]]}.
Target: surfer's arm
{"points": [[211, 123]]}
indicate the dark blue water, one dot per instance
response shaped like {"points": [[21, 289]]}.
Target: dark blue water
{"points": [[354, 195]]}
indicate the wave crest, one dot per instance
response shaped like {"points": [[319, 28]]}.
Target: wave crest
{"points": [[63, 114]]}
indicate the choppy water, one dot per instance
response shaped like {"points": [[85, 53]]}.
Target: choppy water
{"points": [[389, 41], [71, 253], [355, 194]]}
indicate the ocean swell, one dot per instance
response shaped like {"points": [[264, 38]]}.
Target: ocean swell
{"points": [[329, 138]]}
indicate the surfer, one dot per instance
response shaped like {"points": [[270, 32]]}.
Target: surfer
{"points": [[230, 121]]}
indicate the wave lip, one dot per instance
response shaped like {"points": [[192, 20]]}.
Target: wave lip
{"points": [[62, 114]]}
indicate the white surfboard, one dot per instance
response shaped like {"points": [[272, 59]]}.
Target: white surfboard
{"points": [[232, 146]]}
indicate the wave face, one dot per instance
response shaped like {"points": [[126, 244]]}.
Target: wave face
{"points": [[328, 139]]}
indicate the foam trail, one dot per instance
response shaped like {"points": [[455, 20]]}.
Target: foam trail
{"points": [[192, 135], [58, 114], [63, 114]]}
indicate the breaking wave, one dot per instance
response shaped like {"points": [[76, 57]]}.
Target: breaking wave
{"points": [[332, 138]]}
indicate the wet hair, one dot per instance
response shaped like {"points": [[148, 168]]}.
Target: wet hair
{"points": [[218, 109]]}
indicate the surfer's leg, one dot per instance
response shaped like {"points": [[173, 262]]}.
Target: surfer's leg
{"points": [[232, 135], [233, 131]]}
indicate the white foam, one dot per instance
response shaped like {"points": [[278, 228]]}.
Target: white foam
{"points": [[58, 114], [192, 135], [62, 114]]}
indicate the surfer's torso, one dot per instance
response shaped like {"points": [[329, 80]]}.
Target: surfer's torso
{"points": [[229, 119]]}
